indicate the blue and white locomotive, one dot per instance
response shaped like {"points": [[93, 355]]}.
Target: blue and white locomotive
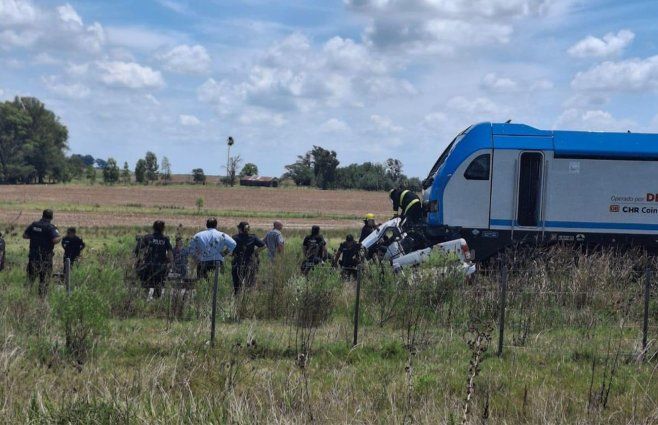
{"points": [[499, 184]]}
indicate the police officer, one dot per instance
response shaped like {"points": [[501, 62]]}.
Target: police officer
{"points": [[347, 257], [157, 251], [73, 245], [245, 257], [314, 248], [43, 236], [409, 206], [369, 226], [208, 248]]}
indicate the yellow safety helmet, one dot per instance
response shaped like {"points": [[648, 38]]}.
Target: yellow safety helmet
{"points": [[370, 216]]}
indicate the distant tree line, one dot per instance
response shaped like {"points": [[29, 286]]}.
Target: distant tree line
{"points": [[33, 145], [319, 167]]}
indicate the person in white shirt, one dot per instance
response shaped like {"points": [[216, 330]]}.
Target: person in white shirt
{"points": [[209, 247]]}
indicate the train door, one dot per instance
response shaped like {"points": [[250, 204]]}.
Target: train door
{"points": [[529, 193]]}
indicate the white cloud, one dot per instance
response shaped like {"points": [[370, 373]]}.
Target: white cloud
{"points": [[62, 28], [129, 74], [17, 12], [440, 26], [541, 85], [188, 120], [186, 59], [609, 45], [476, 106], [141, 38], [384, 124], [493, 82], [435, 120], [257, 116], [293, 76], [69, 15], [627, 75], [334, 125], [593, 120], [70, 90]]}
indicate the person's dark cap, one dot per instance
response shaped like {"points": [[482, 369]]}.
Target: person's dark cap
{"points": [[47, 214], [315, 230], [349, 238], [211, 223], [71, 230], [243, 225]]}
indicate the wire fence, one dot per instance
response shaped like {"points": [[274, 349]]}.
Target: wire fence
{"points": [[535, 308]]}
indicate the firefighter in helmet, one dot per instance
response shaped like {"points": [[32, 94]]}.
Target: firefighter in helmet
{"points": [[369, 226], [408, 204]]}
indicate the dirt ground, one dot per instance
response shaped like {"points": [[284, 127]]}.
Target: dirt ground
{"points": [[120, 205]]}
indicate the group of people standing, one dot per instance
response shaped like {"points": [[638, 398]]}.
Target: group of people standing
{"points": [[44, 236], [209, 248]]}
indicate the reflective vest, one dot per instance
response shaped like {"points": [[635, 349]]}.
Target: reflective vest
{"points": [[405, 209]]}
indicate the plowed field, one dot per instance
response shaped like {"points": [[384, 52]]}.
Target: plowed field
{"points": [[100, 205]]}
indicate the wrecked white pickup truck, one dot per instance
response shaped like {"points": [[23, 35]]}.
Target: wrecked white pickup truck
{"points": [[391, 243]]}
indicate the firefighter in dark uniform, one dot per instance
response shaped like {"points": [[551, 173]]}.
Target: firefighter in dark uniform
{"points": [[347, 257], [157, 253], [409, 206], [369, 226], [245, 257], [43, 236]]}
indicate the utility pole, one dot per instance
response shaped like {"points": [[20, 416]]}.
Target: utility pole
{"points": [[229, 143]]}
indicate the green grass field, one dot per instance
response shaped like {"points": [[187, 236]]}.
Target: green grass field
{"points": [[284, 351]]}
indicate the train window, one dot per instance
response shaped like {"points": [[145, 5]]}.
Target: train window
{"points": [[479, 168], [530, 185]]}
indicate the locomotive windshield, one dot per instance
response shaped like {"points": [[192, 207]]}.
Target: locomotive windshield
{"points": [[430, 178]]}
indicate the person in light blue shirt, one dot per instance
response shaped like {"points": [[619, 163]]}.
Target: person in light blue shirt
{"points": [[209, 248]]}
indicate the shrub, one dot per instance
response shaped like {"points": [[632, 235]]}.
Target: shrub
{"points": [[83, 318]]}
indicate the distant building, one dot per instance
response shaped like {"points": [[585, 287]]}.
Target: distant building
{"points": [[259, 181]]}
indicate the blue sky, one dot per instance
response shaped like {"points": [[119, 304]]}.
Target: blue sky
{"points": [[371, 79]]}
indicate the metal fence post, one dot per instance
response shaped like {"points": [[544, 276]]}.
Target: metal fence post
{"points": [[645, 325], [214, 304], [357, 303], [502, 304], [67, 275]]}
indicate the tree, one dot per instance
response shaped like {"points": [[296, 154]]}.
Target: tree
{"points": [[249, 170], [366, 176], [101, 163], [76, 166], [111, 171], [394, 169], [198, 176], [233, 165], [151, 162], [91, 174], [166, 170], [125, 173], [140, 171], [14, 135], [325, 164], [301, 172], [32, 142]]}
